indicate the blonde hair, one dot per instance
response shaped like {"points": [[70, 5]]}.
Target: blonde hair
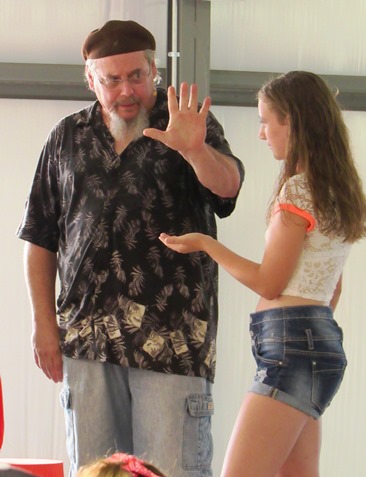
{"points": [[101, 468], [319, 146], [119, 465]]}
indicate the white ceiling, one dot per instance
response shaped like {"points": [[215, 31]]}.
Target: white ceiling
{"points": [[325, 36], [52, 31]]}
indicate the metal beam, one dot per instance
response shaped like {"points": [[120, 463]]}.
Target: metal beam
{"points": [[239, 88], [188, 43], [227, 88], [43, 81]]}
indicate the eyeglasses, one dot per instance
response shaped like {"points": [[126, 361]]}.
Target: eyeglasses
{"points": [[136, 78]]}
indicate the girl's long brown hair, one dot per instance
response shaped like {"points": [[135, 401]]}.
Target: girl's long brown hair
{"points": [[319, 146]]}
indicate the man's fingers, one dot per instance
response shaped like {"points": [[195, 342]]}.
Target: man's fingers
{"points": [[184, 97], [154, 134], [56, 369], [193, 98], [51, 366], [205, 105], [172, 100]]}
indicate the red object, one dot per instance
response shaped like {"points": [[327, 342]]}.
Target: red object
{"points": [[38, 467], [1, 416], [131, 464]]}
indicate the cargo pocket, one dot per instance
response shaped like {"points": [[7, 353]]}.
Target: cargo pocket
{"points": [[197, 439], [65, 400]]}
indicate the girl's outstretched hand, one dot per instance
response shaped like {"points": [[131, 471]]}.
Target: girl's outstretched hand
{"points": [[192, 242]]}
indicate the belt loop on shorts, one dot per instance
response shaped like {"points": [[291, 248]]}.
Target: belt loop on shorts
{"points": [[309, 336], [273, 392]]}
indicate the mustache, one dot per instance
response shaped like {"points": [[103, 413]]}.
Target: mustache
{"points": [[126, 102]]}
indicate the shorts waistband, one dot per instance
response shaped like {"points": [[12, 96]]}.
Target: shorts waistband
{"points": [[292, 313]]}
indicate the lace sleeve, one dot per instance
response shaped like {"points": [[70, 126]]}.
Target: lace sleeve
{"points": [[295, 197]]}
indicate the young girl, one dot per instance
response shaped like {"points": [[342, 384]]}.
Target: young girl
{"points": [[119, 465], [318, 210]]}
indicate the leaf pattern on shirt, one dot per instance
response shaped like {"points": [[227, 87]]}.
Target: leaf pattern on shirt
{"points": [[161, 302], [179, 278], [124, 297], [128, 182], [130, 232], [153, 257], [121, 214], [116, 262], [136, 281]]}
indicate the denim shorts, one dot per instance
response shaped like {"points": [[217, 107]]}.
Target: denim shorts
{"points": [[299, 355]]}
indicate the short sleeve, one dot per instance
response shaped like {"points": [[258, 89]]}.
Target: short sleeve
{"points": [[295, 197], [39, 224]]}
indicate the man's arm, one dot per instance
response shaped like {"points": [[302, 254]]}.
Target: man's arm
{"points": [[40, 272], [186, 133], [217, 172]]}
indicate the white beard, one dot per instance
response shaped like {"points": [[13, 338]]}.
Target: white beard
{"points": [[123, 130]]}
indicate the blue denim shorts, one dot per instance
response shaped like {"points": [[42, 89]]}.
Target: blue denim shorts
{"points": [[299, 355]]}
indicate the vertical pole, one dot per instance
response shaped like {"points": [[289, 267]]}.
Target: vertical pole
{"points": [[172, 44], [188, 44]]}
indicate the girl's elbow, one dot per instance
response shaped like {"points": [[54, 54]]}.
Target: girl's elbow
{"points": [[271, 292], [270, 296]]}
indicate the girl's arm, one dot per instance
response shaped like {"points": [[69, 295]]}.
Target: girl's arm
{"points": [[283, 246]]}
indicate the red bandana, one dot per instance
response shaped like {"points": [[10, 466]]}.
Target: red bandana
{"points": [[132, 464]]}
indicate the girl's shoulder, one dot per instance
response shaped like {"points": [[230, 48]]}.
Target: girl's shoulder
{"points": [[296, 191], [296, 185]]}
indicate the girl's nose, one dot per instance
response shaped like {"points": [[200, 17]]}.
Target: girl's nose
{"points": [[261, 133]]}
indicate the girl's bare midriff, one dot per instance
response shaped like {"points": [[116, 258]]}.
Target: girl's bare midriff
{"points": [[287, 300]]}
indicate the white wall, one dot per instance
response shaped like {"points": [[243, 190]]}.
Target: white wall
{"points": [[52, 31], [34, 421], [344, 423], [325, 36]]}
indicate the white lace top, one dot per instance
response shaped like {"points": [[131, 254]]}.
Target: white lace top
{"points": [[323, 257]]}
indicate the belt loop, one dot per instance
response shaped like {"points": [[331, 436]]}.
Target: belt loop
{"points": [[309, 336]]}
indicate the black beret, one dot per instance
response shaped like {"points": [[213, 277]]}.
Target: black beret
{"points": [[116, 37]]}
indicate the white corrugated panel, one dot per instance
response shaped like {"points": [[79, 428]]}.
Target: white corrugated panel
{"points": [[324, 36]]}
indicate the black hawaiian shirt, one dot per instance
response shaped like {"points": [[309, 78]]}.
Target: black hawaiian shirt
{"points": [[124, 297]]}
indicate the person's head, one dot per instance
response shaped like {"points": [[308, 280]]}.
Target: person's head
{"points": [[119, 465], [306, 103], [120, 68], [318, 145], [274, 129]]}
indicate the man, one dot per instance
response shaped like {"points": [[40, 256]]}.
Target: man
{"points": [[134, 341]]}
